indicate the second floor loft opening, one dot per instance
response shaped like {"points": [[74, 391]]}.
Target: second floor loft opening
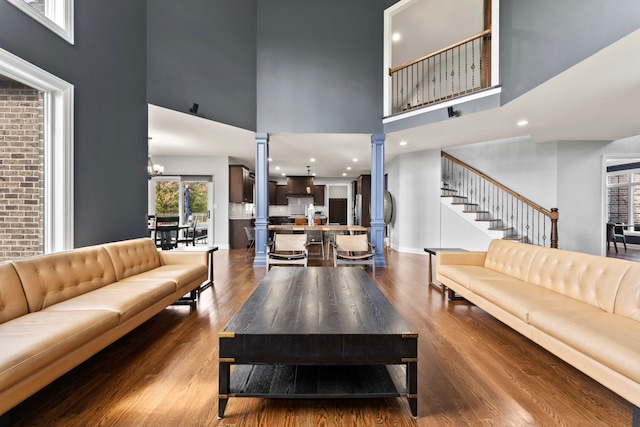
{"points": [[436, 51]]}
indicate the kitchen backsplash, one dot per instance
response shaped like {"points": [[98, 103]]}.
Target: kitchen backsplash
{"points": [[240, 210]]}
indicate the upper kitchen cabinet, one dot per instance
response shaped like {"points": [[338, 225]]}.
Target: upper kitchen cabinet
{"points": [[298, 184], [240, 184]]}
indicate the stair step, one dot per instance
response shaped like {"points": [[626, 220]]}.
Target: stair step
{"points": [[500, 228]]}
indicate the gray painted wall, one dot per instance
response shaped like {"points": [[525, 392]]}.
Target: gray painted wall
{"points": [[539, 39], [320, 66], [107, 67], [204, 52]]}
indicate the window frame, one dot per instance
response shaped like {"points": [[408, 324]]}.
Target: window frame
{"points": [[60, 19], [629, 187], [58, 135]]}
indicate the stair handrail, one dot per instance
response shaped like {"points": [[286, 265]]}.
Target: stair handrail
{"points": [[552, 213], [440, 51]]}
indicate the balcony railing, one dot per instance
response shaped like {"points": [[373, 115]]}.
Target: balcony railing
{"points": [[454, 71]]}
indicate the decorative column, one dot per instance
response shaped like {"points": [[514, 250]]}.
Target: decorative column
{"points": [[377, 197], [262, 199]]}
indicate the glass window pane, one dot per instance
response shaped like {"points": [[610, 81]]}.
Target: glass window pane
{"points": [[38, 5], [21, 171], [636, 177], [618, 179], [167, 198], [636, 207], [618, 204]]}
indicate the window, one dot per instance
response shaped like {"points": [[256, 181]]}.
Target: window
{"points": [[57, 148], [623, 197], [56, 15]]}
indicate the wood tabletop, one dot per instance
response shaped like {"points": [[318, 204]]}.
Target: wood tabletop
{"points": [[293, 227]]}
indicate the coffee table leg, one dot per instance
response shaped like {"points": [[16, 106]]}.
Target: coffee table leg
{"points": [[223, 387], [412, 387]]}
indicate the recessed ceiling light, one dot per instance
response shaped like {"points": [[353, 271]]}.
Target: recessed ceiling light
{"points": [[522, 123], [396, 37], [355, 160], [313, 159], [403, 142], [283, 174], [348, 168], [277, 168], [344, 174], [313, 174], [269, 159]]}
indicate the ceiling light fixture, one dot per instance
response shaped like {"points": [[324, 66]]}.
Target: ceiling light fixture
{"points": [[396, 37], [344, 174], [348, 168], [355, 160], [313, 159], [403, 143], [522, 123], [308, 180], [152, 169]]}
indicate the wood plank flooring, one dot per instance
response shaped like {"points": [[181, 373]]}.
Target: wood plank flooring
{"points": [[472, 370]]}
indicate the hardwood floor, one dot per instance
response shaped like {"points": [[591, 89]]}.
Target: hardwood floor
{"points": [[473, 370]]}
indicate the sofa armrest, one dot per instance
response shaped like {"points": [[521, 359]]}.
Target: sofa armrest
{"points": [[178, 257], [460, 258]]}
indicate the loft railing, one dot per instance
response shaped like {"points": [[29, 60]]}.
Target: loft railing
{"points": [[502, 208], [448, 73]]}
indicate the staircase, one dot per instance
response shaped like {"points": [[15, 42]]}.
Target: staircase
{"points": [[495, 209]]}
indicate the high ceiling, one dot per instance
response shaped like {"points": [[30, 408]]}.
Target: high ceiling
{"points": [[568, 107]]}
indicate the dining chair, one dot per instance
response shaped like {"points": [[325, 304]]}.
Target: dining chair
{"points": [[315, 237], [287, 249], [330, 237], [167, 232], [190, 233], [354, 249], [251, 237], [618, 233]]}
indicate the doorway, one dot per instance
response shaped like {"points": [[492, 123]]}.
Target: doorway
{"points": [[338, 211], [187, 197]]}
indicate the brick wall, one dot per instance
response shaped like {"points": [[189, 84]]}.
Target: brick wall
{"points": [[21, 178]]}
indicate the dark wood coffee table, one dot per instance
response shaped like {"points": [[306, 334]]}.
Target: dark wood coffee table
{"points": [[318, 332]]}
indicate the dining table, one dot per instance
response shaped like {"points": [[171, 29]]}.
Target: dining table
{"points": [[353, 229]]}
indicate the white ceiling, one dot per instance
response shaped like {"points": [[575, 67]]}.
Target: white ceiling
{"points": [[596, 100]]}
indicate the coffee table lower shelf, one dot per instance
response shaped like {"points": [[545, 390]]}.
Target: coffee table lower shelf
{"points": [[318, 382]]}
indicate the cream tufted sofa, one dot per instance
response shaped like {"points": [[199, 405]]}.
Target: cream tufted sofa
{"points": [[583, 308], [58, 310]]}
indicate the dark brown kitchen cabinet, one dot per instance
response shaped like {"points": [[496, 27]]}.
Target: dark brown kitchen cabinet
{"points": [[281, 194], [318, 195], [237, 234], [364, 188], [298, 184], [273, 197], [240, 184]]}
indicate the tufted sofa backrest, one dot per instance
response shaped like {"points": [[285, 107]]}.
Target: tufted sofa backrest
{"points": [[52, 278], [13, 303], [588, 278], [131, 257], [628, 297], [511, 258]]}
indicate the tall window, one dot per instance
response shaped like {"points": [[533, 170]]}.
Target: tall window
{"points": [[56, 15], [51, 181], [623, 197], [21, 170]]}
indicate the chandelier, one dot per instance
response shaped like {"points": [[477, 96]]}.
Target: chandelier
{"points": [[152, 169]]}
